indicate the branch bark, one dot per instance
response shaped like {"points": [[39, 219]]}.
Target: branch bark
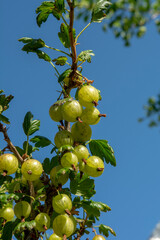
{"points": [[3, 129]]}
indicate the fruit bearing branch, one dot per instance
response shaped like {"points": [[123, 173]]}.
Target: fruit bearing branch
{"points": [[3, 129], [72, 41]]}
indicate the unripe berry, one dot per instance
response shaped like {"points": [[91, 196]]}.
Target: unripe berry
{"points": [[81, 152], [7, 213], [55, 112], [62, 138], [81, 132], [8, 164], [32, 169], [62, 179], [64, 225], [90, 116], [69, 159], [88, 96], [98, 237], [61, 203], [22, 209], [71, 111], [94, 166], [42, 222], [54, 237]]}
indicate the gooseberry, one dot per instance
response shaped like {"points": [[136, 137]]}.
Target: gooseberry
{"points": [[94, 166], [90, 116], [8, 164], [81, 152], [63, 225], [69, 159], [22, 210], [81, 132], [61, 203], [31, 169], [42, 222], [55, 112], [62, 138], [54, 237], [88, 96], [7, 213], [62, 179], [71, 111], [98, 237]]}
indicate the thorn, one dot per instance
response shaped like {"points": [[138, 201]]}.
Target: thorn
{"points": [[79, 120]]}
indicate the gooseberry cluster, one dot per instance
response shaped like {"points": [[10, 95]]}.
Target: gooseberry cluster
{"points": [[69, 110], [33, 198]]}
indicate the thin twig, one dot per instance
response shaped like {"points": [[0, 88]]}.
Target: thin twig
{"points": [[3, 129]]}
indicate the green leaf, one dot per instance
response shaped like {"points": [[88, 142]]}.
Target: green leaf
{"points": [[20, 150], [7, 231], [64, 75], [23, 225], [49, 164], [4, 119], [30, 126], [40, 141], [5, 179], [65, 148], [91, 209], [59, 4], [86, 56], [102, 149], [60, 60], [105, 230], [101, 206], [82, 187], [47, 8], [99, 11], [43, 55], [64, 35], [4, 101], [31, 44]]}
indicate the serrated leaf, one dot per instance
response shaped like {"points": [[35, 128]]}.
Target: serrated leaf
{"points": [[4, 101], [105, 230], [64, 35], [102, 149], [59, 4], [47, 8], [30, 126], [43, 55], [86, 56], [23, 225], [91, 209], [49, 164], [101, 206], [60, 60], [64, 75], [40, 141], [31, 44], [82, 187], [4, 119], [99, 11]]}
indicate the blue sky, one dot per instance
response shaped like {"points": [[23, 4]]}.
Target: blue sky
{"points": [[126, 78]]}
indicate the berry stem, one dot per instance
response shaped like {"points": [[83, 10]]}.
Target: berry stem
{"points": [[95, 103], [102, 115]]}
